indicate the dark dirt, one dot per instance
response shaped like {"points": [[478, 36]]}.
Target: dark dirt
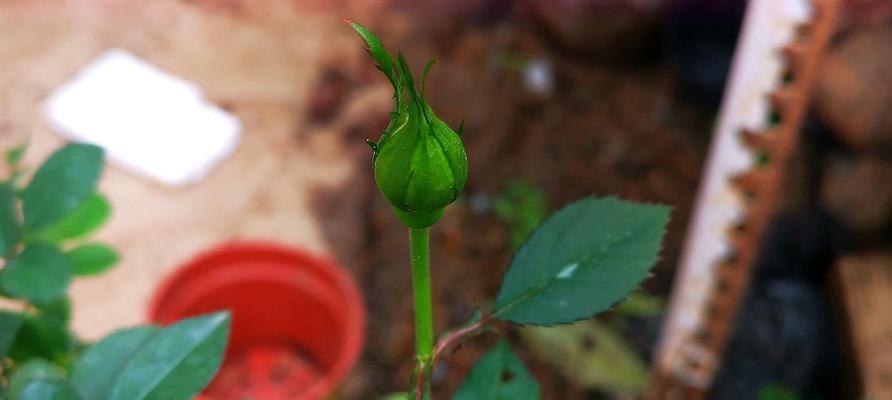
{"points": [[604, 130]]}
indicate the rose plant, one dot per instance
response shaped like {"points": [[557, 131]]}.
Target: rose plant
{"points": [[44, 227], [579, 262]]}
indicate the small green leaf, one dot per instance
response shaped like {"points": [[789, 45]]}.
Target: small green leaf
{"points": [[41, 273], [65, 180], [580, 261], [14, 155], [58, 310], [41, 337], [176, 363], [48, 389], [427, 69], [380, 55], [40, 380], [499, 375], [9, 221], [406, 74], [81, 222], [91, 259], [98, 368], [32, 370], [9, 328]]}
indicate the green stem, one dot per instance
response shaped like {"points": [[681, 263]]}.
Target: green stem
{"points": [[421, 286]]}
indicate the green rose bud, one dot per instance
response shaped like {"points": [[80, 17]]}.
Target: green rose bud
{"points": [[420, 163]]}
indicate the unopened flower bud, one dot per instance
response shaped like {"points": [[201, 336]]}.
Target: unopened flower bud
{"points": [[420, 162]]}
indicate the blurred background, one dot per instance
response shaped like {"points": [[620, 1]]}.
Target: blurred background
{"points": [[560, 99]]}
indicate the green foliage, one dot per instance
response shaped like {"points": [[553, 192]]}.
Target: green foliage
{"points": [[95, 372], [14, 155], [9, 328], [85, 219], [60, 205], [58, 310], [521, 207], [175, 363], [40, 380], [91, 259], [382, 58], [41, 273], [590, 354], [64, 181], [777, 392], [499, 375], [9, 224], [580, 261], [41, 337]]}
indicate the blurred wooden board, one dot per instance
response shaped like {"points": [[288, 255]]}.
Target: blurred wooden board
{"points": [[258, 63], [866, 284]]}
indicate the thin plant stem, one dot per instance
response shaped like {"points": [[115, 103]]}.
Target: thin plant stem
{"points": [[421, 287]]}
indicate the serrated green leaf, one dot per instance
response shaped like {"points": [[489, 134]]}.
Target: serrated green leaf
{"points": [[85, 219], [380, 55], [499, 375], [14, 155], [590, 355], [65, 180], [580, 261], [40, 337], [96, 370], [40, 273], [176, 363], [91, 259], [9, 221], [10, 323]]}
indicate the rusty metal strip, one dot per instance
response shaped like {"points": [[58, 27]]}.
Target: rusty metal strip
{"points": [[738, 196]]}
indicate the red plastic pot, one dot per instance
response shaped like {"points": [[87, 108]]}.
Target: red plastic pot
{"points": [[298, 321]]}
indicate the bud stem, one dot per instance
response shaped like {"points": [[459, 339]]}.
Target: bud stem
{"points": [[421, 286]]}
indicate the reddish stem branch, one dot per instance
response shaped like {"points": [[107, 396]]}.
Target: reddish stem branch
{"points": [[446, 342], [419, 385], [452, 338]]}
